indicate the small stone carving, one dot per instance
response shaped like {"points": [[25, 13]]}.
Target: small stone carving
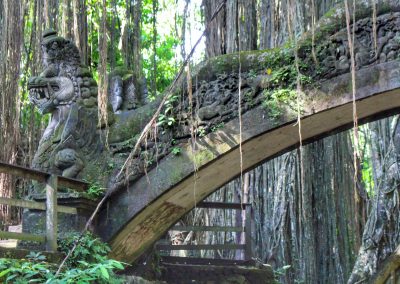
{"points": [[116, 87], [126, 92], [334, 54]]}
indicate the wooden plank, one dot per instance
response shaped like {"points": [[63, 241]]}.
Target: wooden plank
{"points": [[73, 183], [206, 261], [51, 213], [41, 176], [23, 172], [36, 205], [22, 236], [248, 253], [201, 247], [206, 229], [222, 205]]}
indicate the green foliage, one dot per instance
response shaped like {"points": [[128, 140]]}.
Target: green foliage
{"points": [[102, 272], [88, 264], [201, 131], [252, 73], [95, 191], [278, 57], [218, 126], [24, 271], [90, 249], [285, 75], [276, 101], [176, 150], [364, 145], [167, 118]]}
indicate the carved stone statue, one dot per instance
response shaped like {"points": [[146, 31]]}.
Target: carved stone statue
{"points": [[73, 145], [67, 91]]}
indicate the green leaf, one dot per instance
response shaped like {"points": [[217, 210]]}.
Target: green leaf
{"points": [[118, 265], [4, 272], [11, 277], [104, 272]]}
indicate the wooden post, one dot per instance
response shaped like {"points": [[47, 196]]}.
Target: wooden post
{"points": [[51, 213], [248, 253]]}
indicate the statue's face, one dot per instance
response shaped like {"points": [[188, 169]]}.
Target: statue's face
{"points": [[49, 93], [117, 90], [52, 49]]}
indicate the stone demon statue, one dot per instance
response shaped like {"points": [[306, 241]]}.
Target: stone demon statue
{"points": [[73, 144], [67, 91]]}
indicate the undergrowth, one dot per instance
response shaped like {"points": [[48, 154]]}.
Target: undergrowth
{"points": [[88, 264]]}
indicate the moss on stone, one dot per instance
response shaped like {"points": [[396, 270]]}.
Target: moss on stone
{"points": [[201, 157]]}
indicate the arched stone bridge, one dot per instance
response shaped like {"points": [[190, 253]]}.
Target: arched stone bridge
{"points": [[141, 213], [135, 218]]}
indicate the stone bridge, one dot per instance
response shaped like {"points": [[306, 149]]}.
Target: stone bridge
{"points": [[138, 216], [201, 135]]}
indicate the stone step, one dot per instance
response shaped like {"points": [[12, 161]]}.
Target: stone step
{"points": [[8, 243], [22, 253], [213, 274]]}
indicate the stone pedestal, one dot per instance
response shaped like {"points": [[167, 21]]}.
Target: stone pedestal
{"points": [[34, 221]]}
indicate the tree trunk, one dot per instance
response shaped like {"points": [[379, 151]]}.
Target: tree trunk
{"points": [[11, 44], [136, 40], [103, 80], [382, 231], [51, 13], [154, 71], [233, 29], [80, 29], [215, 37], [267, 9], [131, 42], [67, 19], [247, 24]]}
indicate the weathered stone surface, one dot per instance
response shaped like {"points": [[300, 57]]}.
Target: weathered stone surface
{"points": [[22, 253], [140, 280], [182, 274]]}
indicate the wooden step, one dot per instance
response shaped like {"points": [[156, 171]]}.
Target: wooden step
{"points": [[206, 261]]}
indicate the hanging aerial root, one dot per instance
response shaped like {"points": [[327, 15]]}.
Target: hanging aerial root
{"points": [[350, 37]]}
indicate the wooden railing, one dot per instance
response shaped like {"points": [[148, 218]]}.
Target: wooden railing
{"points": [[247, 246], [50, 206]]}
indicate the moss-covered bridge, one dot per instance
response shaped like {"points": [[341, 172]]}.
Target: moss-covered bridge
{"points": [[205, 141]]}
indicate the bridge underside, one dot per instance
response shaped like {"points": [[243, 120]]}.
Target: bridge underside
{"points": [[138, 216]]}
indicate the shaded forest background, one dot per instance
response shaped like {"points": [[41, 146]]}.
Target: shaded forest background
{"points": [[310, 227]]}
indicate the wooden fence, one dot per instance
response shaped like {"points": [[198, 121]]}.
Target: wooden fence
{"points": [[247, 246], [50, 206]]}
